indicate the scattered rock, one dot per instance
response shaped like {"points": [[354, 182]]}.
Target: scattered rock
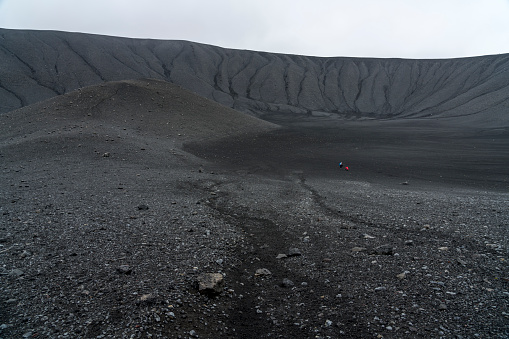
{"points": [[359, 249], [16, 272], [383, 250], [106, 155], [444, 248], [281, 256], [142, 207], [147, 299], [124, 269], [462, 262], [287, 283], [262, 272], [294, 252], [409, 242], [210, 284], [442, 307], [401, 276]]}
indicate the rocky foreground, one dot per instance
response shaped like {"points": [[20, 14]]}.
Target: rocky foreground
{"points": [[116, 249], [136, 209]]}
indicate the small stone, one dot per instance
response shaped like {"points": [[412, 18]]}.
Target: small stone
{"points": [[262, 271], [124, 269], [10, 301], [142, 207], [210, 284], [383, 250], [281, 256], [294, 252], [16, 272], [287, 283], [328, 323], [147, 299], [442, 307], [106, 155], [367, 236], [444, 248], [359, 249], [409, 242], [401, 276]]}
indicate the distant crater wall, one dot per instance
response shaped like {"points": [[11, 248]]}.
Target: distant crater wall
{"points": [[36, 65]]}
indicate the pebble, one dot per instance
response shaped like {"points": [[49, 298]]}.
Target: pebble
{"points": [[17, 272], [287, 283], [262, 271], [401, 276], [294, 252], [124, 269], [383, 250]]}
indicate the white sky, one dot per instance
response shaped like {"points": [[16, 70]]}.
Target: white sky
{"points": [[370, 28]]}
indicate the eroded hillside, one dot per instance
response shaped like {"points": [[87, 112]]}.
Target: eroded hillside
{"points": [[36, 65]]}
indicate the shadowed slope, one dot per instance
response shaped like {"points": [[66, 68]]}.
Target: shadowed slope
{"points": [[40, 64]]}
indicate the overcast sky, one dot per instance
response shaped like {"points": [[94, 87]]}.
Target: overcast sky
{"points": [[370, 28]]}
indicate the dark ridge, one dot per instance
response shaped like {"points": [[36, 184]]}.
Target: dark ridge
{"points": [[37, 65]]}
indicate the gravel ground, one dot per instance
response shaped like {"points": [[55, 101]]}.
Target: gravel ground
{"points": [[105, 232]]}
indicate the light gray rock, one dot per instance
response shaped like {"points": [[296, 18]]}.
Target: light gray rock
{"points": [[210, 284], [262, 272]]}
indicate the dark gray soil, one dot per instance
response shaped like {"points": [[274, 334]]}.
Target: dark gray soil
{"points": [[106, 224]]}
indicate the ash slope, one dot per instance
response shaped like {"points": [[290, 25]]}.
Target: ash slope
{"points": [[145, 107], [37, 65]]}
